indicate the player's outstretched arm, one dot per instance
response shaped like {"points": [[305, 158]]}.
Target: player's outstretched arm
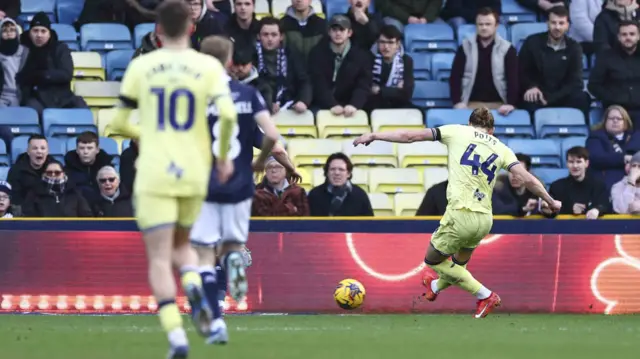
{"points": [[271, 136], [399, 136], [228, 117], [535, 186], [121, 125]]}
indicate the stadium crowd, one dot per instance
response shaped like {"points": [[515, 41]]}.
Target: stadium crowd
{"points": [[345, 67]]}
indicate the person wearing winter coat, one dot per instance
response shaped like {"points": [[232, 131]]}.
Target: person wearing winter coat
{"points": [[13, 57], [114, 200]]}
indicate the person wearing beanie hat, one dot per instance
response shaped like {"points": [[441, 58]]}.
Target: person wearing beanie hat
{"points": [[625, 194], [12, 59], [277, 197], [5, 200]]}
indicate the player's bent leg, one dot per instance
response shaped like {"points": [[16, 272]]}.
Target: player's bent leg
{"points": [[462, 259]]}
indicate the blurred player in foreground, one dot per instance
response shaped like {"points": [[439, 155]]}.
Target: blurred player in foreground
{"points": [[225, 214], [474, 158], [172, 88]]}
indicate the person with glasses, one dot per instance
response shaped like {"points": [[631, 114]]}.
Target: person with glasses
{"points": [[55, 196], [276, 196], [5, 200], [114, 201]]}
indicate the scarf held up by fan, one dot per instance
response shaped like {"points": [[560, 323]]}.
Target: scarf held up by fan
{"points": [[396, 75]]}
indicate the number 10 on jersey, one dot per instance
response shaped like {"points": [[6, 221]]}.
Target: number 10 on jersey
{"points": [[472, 159]]}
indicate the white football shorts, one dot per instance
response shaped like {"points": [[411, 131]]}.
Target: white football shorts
{"points": [[225, 222]]}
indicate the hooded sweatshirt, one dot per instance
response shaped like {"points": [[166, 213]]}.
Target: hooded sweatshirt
{"points": [[12, 58]]}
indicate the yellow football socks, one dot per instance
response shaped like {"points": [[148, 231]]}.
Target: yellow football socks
{"points": [[170, 317], [451, 273]]}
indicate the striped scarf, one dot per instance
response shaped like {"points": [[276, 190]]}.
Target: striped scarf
{"points": [[397, 70], [281, 70]]}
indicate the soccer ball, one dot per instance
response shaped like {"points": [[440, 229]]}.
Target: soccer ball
{"points": [[349, 294]]}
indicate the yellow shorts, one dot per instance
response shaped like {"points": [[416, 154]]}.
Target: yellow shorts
{"points": [[153, 211], [461, 229]]}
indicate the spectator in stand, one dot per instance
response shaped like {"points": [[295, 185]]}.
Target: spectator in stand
{"points": [[45, 79], [223, 6], [12, 58], [611, 144], [83, 164], [276, 197], [542, 6], [580, 192], [485, 69], [615, 77], [27, 172], [151, 41], [341, 74], [435, 201], [606, 27], [583, 17], [54, 196], [510, 196], [129, 12], [128, 165], [282, 69], [402, 12], [243, 27], [460, 12], [244, 71], [551, 67], [206, 22], [5, 200], [302, 27], [625, 194], [337, 196], [366, 26], [10, 8], [393, 81], [114, 200]]}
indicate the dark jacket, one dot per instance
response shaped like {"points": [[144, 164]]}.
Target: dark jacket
{"points": [[11, 8], [102, 11], [83, 176], [242, 38], [605, 29], [506, 201], [47, 74], [606, 154], [128, 166], [24, 178], [291, 203], [394, 97], [41, 203], [149, 43], [533, 4], [353, 81], [402, 9], [303, 37], [468, 9], [298, 84], [558, 74], [120, 208], [212, 23], [262, 85], [356, 203], [364, 36], [615, 79], [591, 192], [435, 201]]}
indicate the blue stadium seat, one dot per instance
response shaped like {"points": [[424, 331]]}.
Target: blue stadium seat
{"points": [[116, 62], [67, 122], [585, 67], [140, 31], [429, 37], [595, 116], [439, 117], [550, 175], [125, 144], [68, 11], [520, 32], [68, 35], [515, 125], [569, 142], [109, 145], [441, 64], [4, 173], [339, 7], [559, 122], [105, 37], [21, 120], [28, 8], [468, 30], [4, 156], [18, 146], [421, 65], [513, 12], [57, 148], [544, 153], [431, 94]]}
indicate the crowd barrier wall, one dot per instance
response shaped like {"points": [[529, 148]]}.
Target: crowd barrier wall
{"points": [[536, 265]]}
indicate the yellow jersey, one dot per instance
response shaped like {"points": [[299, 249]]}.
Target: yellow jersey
{"points": [[172, 90], [474, 160]]}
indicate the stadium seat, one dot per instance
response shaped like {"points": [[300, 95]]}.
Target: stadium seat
{"points": [[550, 175], [595, 116], [333, 7], [67, 122], [98, 93], [68, 35], [378, 153], [381, 204], [516, 124], [4, 173], [57, 148], [520, 32], [261, 9], [426, 153], [396, 119], [28, 8], [439, 117], [559, 122], [359, 176], [21, 120], [312, 152], [406, 204], [68, 11], [117, 62], [395, 180], [19, 146], [514, 12], [441, 64], [105, 37], [307, 178], [434, 175], [279, 7], [105, 116], [569, 142], [468, 30], [421, 65], [4, 155], [87, 65], [293, 124], [585, 67], [429, 37], [342, 126], [140, 31], [544, 153], [431, 94]]}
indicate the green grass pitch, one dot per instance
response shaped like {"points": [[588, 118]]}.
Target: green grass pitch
{"points": [[499, 336]]}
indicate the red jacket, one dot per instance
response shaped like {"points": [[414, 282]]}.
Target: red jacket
{"points": [[292, 203]]}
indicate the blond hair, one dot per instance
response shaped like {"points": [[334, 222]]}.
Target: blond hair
{"points": [[219, 47], [628, 124]]}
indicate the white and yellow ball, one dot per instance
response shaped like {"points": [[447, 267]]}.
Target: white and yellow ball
{"points": [[349, 294]]}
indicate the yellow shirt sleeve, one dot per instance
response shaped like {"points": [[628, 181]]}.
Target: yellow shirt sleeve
{"points": [[509, 157], [447, 133], [129, 87]]}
